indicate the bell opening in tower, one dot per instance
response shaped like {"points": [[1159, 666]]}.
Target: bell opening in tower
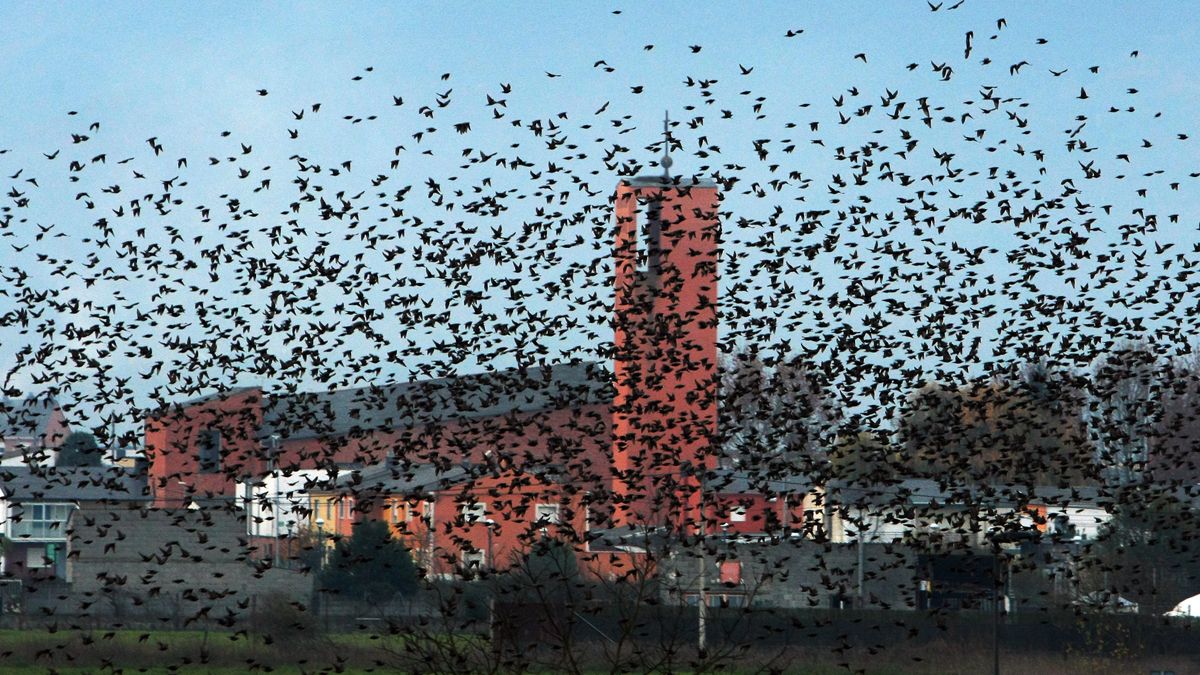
{"points": [[650, 253]]}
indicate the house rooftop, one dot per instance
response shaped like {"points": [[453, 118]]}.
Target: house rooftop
{"points": [[27, 417], [744, 481], [420, 480], [71, 484], [408, 404], [924, 492]]}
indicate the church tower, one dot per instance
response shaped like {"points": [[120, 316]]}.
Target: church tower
{"points": [[665, 361]]}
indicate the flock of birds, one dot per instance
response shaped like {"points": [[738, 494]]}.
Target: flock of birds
{"points": [[881, 237]]}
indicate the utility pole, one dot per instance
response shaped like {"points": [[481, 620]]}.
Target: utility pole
{"points": [[702, 614], [490, 524], [321, 543], [491, 566], [861, 563], [996, 581], [431, 534], [274, 498]]}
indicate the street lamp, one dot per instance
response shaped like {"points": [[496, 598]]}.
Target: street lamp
{"points": [[186, 500], [274, 498], [321, 542], [490, 524], [701, 473]]}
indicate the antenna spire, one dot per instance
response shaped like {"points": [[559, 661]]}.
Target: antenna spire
{"points": [[666, 162]]}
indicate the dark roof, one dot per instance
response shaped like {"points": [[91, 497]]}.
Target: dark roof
{"points": [[627, 537], [742, 481], [414, 480], [923, 492], [71, 484], [418, 480], [401, 405], [658, 180], [163, 410], [118, 534], [25, 418]]}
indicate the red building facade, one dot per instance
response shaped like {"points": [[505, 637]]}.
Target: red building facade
{"points": [[627, 441], [665, 339]]}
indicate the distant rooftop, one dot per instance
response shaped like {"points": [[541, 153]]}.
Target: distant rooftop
{"points": [[25, 418], [400, 405], [465, 397], [923, 492], [71, 484]]}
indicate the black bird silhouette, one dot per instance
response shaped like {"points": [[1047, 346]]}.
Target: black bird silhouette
{"points": [[518, 391]]}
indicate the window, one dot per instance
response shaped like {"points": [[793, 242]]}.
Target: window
{"points": [[208, 445], [395, 512], [716, 599], [473, 560], [1062, 526], [731, 572], [545, 514], [42, 521], [733, 600], [737, 514], [474, 511], [35, 557]]}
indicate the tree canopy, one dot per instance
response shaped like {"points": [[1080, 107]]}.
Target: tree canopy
{"points": [[79, 449], [370, 565]]}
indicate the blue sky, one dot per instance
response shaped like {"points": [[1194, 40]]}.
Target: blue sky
{"points": [[185, 73]]}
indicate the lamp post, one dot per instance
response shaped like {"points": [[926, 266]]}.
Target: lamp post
{"points": [[490, 524], [274, 499], [702, 613], [700, 472], [321, 543], [860, 536]]}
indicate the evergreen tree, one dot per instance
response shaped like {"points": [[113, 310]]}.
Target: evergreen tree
{"points": [[79, 449], [370, 565]]}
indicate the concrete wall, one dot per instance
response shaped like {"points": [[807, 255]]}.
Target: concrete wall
{"points": [[171, 564], [798, 573]]}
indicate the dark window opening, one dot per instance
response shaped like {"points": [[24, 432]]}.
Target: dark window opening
{"points": [[650, 257], [209, 444]]}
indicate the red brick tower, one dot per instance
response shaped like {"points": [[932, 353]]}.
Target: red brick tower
{"points": [[665, 364]]}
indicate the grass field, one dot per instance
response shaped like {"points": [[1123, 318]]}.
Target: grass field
{"points": [[186, 652]]}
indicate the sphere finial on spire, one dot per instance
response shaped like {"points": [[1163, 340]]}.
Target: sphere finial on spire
{"points": [[666, 162]]}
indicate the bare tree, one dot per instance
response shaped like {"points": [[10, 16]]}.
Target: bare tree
{"points": [[1123, 410], [775, 415]]}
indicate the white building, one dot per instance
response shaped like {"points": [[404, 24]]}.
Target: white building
{"points": [[35, 505], [923, 508], [1189, 608], [282, 493]]}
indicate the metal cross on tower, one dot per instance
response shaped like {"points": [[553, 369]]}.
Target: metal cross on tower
{"points": [[666, 162]]}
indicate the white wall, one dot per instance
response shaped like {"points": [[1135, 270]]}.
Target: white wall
{"points": [[38, 456], [1088, 520], [4, 505], [293, 501], [881, 524]]}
